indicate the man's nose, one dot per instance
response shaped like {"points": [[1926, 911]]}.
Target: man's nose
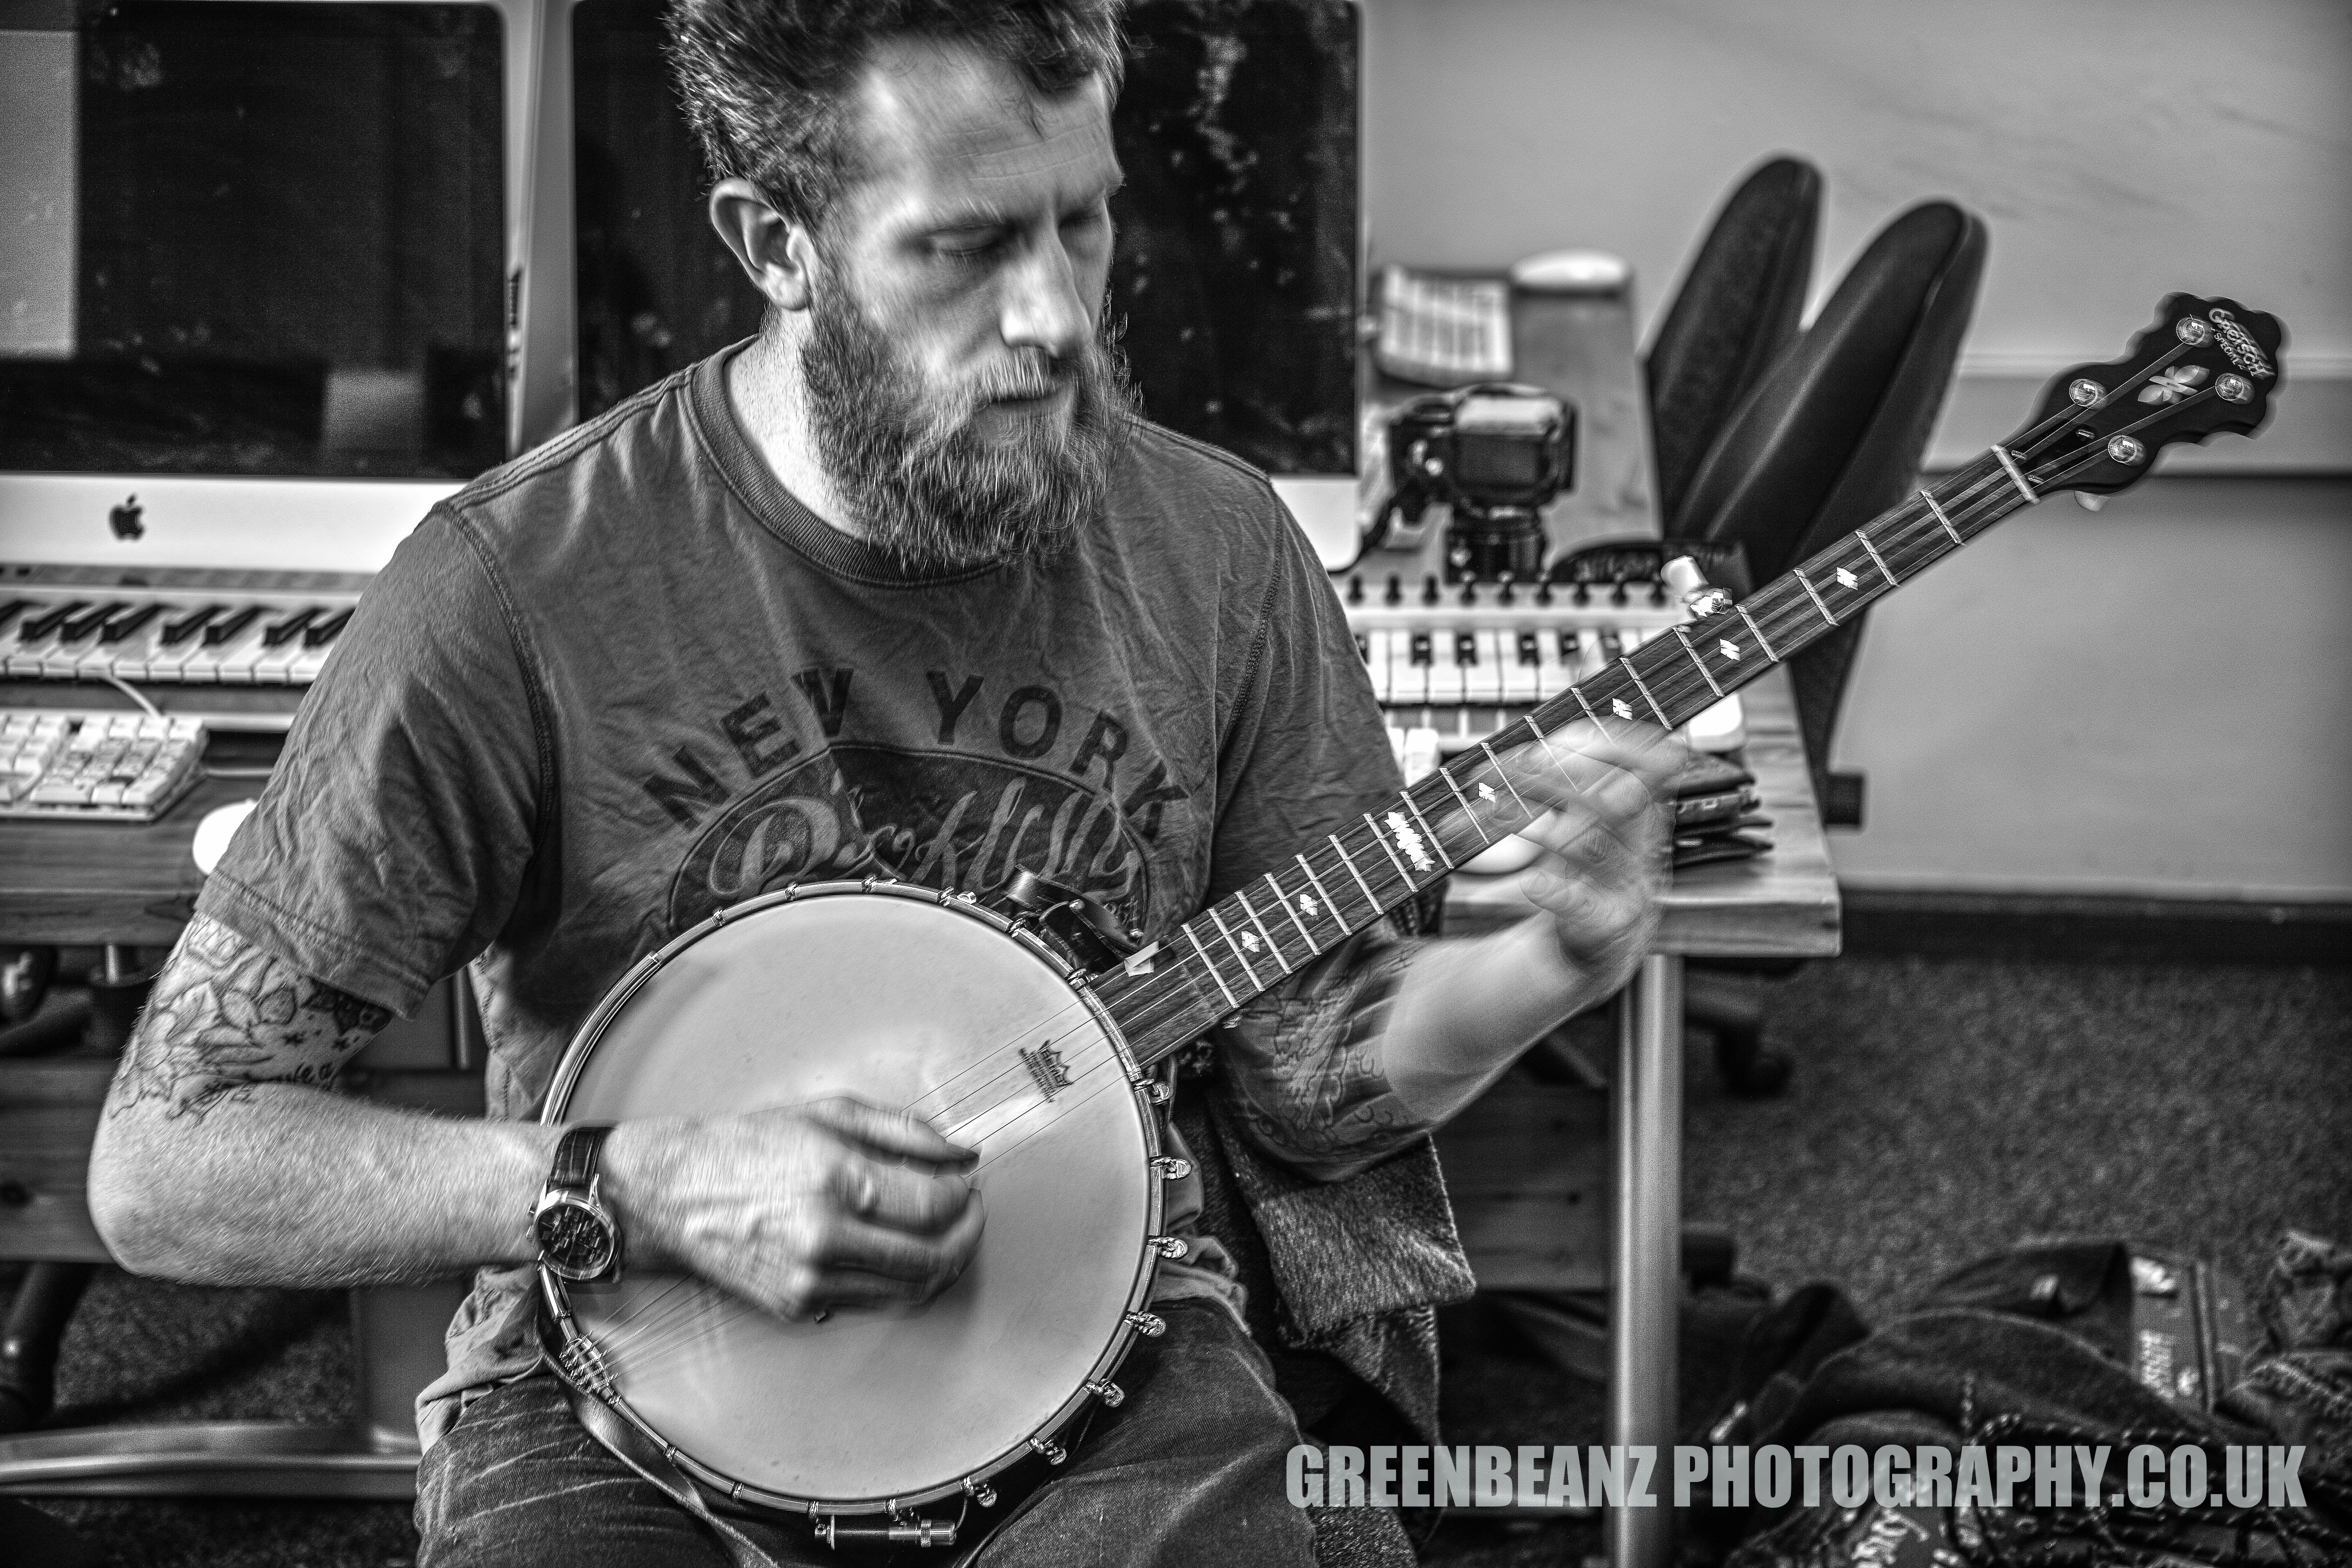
{"points": [[1042, 306]]}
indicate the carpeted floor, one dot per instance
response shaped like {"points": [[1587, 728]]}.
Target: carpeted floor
{"points": [[1940, 1110]]}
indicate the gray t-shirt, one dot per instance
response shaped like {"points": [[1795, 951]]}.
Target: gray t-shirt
{"points": [[628, 679]]}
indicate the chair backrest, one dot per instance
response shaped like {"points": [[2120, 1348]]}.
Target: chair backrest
{"points": [[1834, 432], [1736, 310]]}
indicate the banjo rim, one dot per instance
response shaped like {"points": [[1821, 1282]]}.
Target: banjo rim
{"points": [[556, 1294]]}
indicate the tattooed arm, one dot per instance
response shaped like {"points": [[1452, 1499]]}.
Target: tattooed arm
{"points": [[223, 1159]]}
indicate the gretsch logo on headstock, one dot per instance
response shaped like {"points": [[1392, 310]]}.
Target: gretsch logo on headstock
{"points": [[2239, 345]]}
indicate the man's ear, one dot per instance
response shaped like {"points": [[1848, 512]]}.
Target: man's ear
{"points": [[775, 252]]}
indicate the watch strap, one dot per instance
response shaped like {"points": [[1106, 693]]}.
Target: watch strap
{"points": [[576, 1154]]}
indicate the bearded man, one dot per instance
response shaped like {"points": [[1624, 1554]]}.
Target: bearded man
{"points": [[870, 594]]}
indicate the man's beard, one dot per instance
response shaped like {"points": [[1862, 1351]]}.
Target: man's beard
{"points": [[915, 477]]}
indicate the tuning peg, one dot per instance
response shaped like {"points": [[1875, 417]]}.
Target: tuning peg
{"points": [[1429, 594], [1395, 594], [1355, 589]]}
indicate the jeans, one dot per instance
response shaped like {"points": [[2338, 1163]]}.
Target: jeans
{"points": [[1187, 1470]]}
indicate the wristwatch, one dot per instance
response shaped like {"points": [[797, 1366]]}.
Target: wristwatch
{"points": [[579, 1239]]}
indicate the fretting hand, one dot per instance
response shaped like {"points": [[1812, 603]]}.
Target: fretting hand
{"points": [[799, 1209], [1605, 838]]}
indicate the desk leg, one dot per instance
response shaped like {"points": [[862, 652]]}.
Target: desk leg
{"points": [[1644, 1278]]}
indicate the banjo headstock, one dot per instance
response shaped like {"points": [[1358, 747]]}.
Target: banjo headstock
{"points": [[2206, 366]]}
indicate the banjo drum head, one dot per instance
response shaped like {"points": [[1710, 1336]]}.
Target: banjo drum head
{"points": [[903, 1001]]}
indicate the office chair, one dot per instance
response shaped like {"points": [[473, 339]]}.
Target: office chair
{"points": [[1737, 308], [1830, 436]]}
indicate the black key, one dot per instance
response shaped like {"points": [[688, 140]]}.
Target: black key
{"points": [[123, 627], [1465, 647], [287, 630], [39, 626], [8, 611], [1568, 648], [1421, 649], [318, 633], [81, 627], [220, 632], [179, 631], [1530, 650]]}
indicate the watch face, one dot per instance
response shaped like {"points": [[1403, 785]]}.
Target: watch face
{"points": [[574, 1239]]}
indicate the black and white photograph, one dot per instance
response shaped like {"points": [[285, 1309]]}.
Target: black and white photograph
{"points": [[1175, 783]]}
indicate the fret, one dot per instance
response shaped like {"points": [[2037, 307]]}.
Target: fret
{"points": [[1317, 883], [1241, 896], [1284, 903], [1758, 631], [1879, 560], [1239, 957], [1466, 809], [1703, 673], [1505, 775], [1957, 540], [1350, 864], [1643, 689], [1434, 842], [1545, 740], [1818, 602], [2009, 463], [1387, 851], [1211, 965]]}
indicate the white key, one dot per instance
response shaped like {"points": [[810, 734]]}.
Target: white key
{"points": [[231, 663], [1420, 754], [1483, 682], [1408, 681], [1446, 682], [1519, 681], [1376, 665]]}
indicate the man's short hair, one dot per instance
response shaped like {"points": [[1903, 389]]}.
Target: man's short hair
{"points": [[768, 84]]}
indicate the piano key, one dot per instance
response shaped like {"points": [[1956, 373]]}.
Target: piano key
{"points": [[1482, 679], [14, 608], [227, 627], [231, 662], [320, 633], [87, 623], [287, 630], [1520, 673], [38, 627], [122, 626], [1376, 663], [187, 627], [1445, 683]]}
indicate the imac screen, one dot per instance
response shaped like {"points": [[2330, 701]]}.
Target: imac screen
{"points": [[1235, 278], [251, 239]]}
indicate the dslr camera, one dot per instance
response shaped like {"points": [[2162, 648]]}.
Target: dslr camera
{"points": [[1494, 455]]}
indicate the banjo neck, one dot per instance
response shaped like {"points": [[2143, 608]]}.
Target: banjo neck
{"points": [[2204, 366], [1168, 993]]}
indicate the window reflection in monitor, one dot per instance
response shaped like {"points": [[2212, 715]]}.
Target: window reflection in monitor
{"points": [[1235, 271], [247, 241]]}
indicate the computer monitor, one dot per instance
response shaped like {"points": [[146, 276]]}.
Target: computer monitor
{"points": [[1234, 275], [253, 274], [278, 274]]}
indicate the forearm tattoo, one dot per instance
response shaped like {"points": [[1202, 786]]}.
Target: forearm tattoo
{"points": [[1303, 1069], [227, 1017]]}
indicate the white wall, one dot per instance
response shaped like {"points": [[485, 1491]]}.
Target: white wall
{"points": [[2152, 699]]}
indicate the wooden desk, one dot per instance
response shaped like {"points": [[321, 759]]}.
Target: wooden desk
{"points": [[83, 883]]}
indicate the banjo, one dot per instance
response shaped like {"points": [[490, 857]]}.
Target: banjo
{"points": [[1021, 1034]]}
